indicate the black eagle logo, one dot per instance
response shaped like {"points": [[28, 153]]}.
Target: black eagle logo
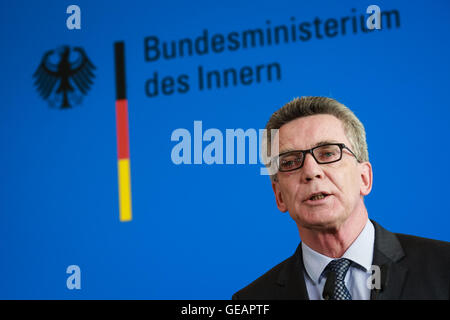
{"points": [[66, 74]]}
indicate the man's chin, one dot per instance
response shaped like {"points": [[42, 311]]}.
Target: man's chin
{"points": [[326, 222]]}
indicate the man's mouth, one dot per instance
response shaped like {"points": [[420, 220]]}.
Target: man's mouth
{"points": [[318, 196]]}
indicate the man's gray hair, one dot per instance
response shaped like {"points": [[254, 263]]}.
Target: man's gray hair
{"points": [[308, 106]]}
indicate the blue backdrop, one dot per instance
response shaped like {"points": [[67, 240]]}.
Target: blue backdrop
{"points": [[203, 231]]}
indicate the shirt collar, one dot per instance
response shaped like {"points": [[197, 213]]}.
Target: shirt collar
{"points": [[314, 262], [359, 252]]}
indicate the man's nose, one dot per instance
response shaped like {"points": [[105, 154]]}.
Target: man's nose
{"points": [[311, 169]]}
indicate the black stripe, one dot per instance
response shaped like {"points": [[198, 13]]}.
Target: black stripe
{"points": [[119, 53]]}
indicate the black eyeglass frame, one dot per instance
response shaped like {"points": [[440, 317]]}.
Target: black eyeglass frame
{"points": [[310, 151]]}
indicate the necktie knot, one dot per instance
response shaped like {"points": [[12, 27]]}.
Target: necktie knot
{"points": [[340, 267], [337, 289]]}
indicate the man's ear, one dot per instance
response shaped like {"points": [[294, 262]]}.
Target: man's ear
{"points": [[366, 178], [278, 196]]}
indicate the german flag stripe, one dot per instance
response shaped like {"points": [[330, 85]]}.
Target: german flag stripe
{"points": [[123, 147]]}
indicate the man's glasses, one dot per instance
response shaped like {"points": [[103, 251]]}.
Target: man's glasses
{"points": [[327, 153]]}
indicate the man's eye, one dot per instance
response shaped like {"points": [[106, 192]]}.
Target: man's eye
{"points": [[328, 154], [287, 164], [290, 163]]}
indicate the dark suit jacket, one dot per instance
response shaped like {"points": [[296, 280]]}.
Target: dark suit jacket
{"points": [[411, 268]]}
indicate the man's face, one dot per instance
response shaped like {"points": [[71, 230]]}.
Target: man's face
{"points": [[345, 182]]}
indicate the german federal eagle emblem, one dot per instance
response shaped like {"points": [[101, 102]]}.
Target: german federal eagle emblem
{"points": [[64, 76]]}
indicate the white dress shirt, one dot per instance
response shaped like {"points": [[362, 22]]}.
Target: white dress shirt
{"points": [[360, 253]]}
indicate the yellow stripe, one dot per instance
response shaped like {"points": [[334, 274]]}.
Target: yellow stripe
{"points": [[124, 189]]}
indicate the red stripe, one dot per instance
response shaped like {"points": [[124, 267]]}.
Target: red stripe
{"points": [[123, 146]]}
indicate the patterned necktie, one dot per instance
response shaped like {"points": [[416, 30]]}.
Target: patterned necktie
{"points": [[340, 268]]}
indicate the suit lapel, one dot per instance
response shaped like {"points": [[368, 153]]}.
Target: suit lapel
{"points": [[291, 280], [387, 253]]}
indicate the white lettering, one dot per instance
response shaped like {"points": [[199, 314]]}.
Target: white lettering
{"points": [[213, 153], [374, 281], [74, 20], [198, 310], [74, 280], [374, 21]]}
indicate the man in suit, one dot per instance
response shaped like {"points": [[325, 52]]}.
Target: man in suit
{"points": [[322, 175]]}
